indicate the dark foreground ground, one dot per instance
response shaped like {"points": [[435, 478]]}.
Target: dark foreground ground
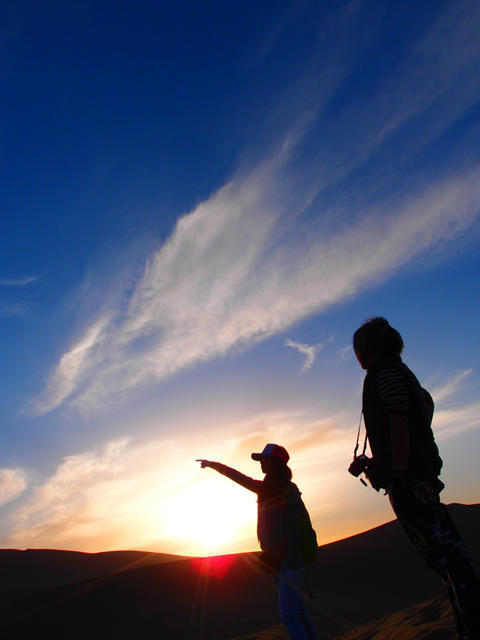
{"points": [[367, 587], [431, 619]]}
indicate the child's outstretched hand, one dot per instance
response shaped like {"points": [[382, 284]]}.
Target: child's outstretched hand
{"points": [[203, 463]]}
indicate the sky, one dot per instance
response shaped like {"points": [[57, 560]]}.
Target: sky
{"points": [[201, 202]]}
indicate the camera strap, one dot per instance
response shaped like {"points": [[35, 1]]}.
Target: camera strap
{"points": [[358, 438]]}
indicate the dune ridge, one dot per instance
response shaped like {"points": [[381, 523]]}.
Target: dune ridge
{"points": [[37, 568], [373, 576]]}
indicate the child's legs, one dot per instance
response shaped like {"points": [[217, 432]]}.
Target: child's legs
{"points": [[293, 612]]}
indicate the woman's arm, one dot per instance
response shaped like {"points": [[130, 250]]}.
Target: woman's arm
{"points": [[393, 393], [400, 440], [245, 481]]}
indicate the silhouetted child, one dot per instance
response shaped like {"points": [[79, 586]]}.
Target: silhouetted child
{"points": [[406, 463], [279, 511]]}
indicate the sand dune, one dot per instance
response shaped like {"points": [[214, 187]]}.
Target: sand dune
{"points": [[37, 568], [432, 619], [133, 595]]}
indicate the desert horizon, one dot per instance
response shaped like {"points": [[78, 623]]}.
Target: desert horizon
{"points": [[229, 597]]}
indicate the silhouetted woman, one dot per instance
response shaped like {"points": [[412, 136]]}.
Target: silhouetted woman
{"points": [[279, 512], [398, 414]]}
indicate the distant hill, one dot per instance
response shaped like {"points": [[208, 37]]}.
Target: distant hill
{"points": [[40, 568], [356, 581]]}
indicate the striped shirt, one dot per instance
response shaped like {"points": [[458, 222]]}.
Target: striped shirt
{"points": [[392, 390]]}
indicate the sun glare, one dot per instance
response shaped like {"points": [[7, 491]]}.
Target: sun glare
{"points": [[207, 515]]}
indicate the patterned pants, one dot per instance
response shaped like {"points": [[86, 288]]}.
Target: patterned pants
{"points": [[429, 526]]}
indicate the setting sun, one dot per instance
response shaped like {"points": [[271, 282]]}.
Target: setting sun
{"points": [[208, 515]]}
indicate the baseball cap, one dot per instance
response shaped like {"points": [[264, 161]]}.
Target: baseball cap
{"points": [[272, 451]]}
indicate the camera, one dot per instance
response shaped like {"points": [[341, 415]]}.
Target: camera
{"points": [[359, 465]]}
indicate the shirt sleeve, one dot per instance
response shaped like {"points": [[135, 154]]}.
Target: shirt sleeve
{"points": [[245, 481], [392, 391]]}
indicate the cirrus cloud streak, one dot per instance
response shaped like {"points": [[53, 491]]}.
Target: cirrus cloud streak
{"points": [[218, 285], [263, 252]]}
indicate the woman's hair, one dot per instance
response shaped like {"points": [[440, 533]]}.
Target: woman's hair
{"points": [[377, 339]]}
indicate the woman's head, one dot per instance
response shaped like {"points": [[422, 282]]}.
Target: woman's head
{"points": [[273, 466], [375, 341], [277, 472], [273, 461]]}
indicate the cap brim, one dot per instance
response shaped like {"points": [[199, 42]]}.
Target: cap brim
{"points": [[257, 456]]}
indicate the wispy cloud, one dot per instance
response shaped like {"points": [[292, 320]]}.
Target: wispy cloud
{"points": [[445, 391], [308, 350], [12, 484], [15, 309], [345, 352], [324, 441], [450, 423], [121, 495], [86, 504], [438, 76], [18, 282], [110, 497], [237, 270], [282, 20], [217, 284], [65, 508], [453, 418], [69, 370]]}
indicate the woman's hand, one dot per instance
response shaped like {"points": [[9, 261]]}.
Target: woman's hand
{"points": [[203, 463]]}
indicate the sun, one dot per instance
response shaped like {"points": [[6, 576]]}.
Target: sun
{"points": [[208, 514]]}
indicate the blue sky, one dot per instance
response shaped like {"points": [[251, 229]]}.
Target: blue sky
{"points": [[200, 204]]}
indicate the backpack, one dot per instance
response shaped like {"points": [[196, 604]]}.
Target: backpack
{"points": [[308, 537], [307, 534]]}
